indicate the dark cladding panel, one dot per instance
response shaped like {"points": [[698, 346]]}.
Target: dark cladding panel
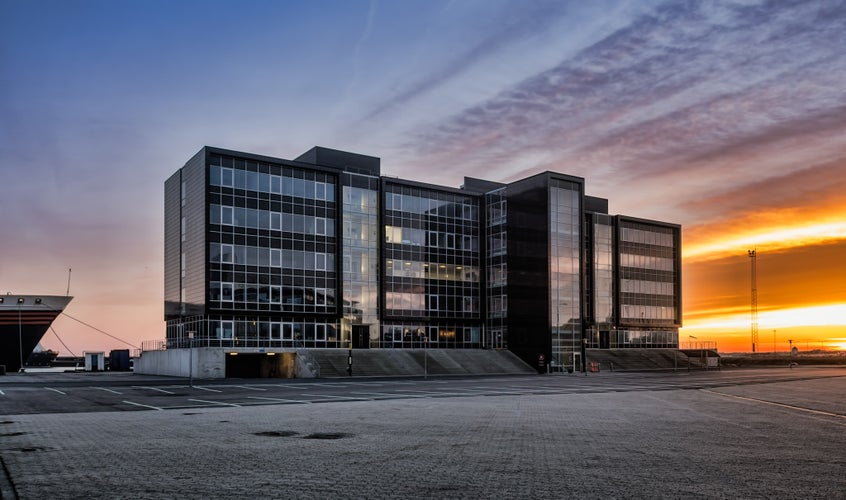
{"points": [[350, 162], [172, 223], [528, 280], [480, 186], [194, 210], [596, 205]]}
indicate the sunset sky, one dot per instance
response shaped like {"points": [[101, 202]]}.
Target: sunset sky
{"points": [[728, 118]]}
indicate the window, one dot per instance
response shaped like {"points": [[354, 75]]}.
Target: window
{"points": [[320, 226], [226, 292], [275, 295], [226, 254], [320, 261], [182, 194], [276, 221], [226, 177], [225, 330], [276, 331], [275, 257], [319, 191], [433, 303], [226, 216], [183, 228]]}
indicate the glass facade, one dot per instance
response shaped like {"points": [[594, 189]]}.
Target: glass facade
{"points": [[264, 252], [600, 291], [361, 259], [497, 269], [432, 268], [565, 221], [272, 277], [649, 281]]}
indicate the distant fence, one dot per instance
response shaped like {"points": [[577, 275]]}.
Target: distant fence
{"points": [[698, 345]]}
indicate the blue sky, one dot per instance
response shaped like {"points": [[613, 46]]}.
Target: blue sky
{"points": [[727, 117]]}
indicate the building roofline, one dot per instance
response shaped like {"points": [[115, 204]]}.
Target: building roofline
{"points": [[426, 185], [648, 221]]}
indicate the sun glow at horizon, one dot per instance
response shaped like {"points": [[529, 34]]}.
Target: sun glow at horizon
{"points": [[772, 238], [824, 315]]}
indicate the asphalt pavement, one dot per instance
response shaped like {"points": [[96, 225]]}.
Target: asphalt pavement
{"points": [[766, 433]]}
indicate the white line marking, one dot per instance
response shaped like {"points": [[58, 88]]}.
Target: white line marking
{"points": [[398, 395], [107, 390], [2, 393], [206, 389], [214, 402], [56, 390], [145, 406], [333, 397], [279, 399], [154, 389], [783, 405], [249, 388]]}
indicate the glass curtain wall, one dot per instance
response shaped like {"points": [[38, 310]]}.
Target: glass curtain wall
{"points": [[602, 292], [564, 272], [271, 250], [432, 269], [497, 270], [360, 255], [648, 280]]}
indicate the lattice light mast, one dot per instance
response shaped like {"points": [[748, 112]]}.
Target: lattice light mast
{"points": [[753, 254]]}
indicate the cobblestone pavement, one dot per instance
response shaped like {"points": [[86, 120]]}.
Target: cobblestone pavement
{"points": [[771, 440]]}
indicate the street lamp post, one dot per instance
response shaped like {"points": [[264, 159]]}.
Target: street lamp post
{"points": [[425, 358], [191, 359], [20, 336]]}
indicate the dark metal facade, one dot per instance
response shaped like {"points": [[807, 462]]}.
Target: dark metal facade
{"points": [[323, 251]]}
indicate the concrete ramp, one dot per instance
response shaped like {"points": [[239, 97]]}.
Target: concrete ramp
{"points": [[415, 362], [642, 359]]}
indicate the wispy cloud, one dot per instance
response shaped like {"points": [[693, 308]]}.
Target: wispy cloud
{"points": [[668, 91]]}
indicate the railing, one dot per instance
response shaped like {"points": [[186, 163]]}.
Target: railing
{"points": [[153, 345], [699, 345]]}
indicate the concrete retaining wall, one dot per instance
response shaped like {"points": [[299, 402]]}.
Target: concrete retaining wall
{"points": [[209, 362]]}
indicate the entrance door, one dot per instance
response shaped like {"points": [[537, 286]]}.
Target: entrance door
{"points": [[604, 339], [361, 336]]}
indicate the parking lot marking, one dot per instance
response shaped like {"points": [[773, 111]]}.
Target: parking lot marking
{"points": [[206, 389], [143, 405], [56, 390], [107, 390], [213, 402], [153, 389], [249, 388], [348, 398], [281, 400], [774, 403], [2, 393], [392, 395]]}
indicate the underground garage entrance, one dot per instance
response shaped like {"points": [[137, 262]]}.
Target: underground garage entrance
{"points": [[261, 365]]}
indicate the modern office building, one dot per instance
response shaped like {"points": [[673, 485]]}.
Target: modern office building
{"points": [[325, 252]]}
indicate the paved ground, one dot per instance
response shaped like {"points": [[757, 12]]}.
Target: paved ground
{"points": [[730, 434]]}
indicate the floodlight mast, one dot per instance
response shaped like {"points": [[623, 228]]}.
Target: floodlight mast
{"points": [[753, 254]]}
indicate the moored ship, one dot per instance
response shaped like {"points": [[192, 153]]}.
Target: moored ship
{"points": [[24, 319]]}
